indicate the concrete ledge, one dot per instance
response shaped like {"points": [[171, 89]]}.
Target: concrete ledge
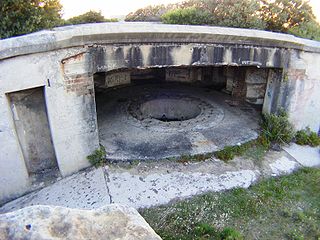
{"points": [[130, 33]]}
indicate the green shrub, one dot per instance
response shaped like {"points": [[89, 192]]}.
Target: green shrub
{"points": [[20, 17], [276, 128], [309, 30], [307, 137], [149, 13], [98, 157], [187, 16], [154, 13], [282, 15], [89, 17], [235, 13]]}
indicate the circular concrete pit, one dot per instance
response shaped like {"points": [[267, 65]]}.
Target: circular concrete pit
{"points": [[159, 121], [170, 109]]}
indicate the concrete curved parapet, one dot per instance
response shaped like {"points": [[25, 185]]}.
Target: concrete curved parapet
{"points": [[47, 77], [128, 33]]}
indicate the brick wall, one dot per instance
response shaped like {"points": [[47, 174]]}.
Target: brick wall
{"points": [[78, 77], [80, 84]]}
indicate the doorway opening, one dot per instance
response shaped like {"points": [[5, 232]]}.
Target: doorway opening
{"points": [[32, 128]]}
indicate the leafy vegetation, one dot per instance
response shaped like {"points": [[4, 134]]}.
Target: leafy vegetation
{"points": [[279, 208], [307, 137], [149, 13], [24, 16], [288, 16], [276, 128], [98, 157], [191, 16], [235, 13], [282, 15], [20, 17], [309, 30], [89, 17]]}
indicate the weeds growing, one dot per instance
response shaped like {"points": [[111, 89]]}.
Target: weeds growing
{"points": [[307, 137], [275, 129], [98, 157]]}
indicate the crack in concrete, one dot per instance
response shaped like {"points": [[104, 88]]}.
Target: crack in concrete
{"points": [[107, 179]]}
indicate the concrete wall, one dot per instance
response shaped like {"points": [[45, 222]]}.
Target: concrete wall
{"points": [[63, 61], [32, 128], [71, 117]]}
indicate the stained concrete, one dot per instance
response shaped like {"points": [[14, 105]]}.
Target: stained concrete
{"points": [[31, 122], [145, 184], [64, 60], [129, 131], [70, 36], [305, 155]]}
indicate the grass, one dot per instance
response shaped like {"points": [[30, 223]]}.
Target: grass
{"points": [[287, 207], [255, 149], [193, 158]]}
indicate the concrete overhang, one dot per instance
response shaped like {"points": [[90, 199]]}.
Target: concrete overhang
{"points": [[137, 33]]}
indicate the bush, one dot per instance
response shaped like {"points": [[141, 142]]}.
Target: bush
{"points": [[25, 16], [235, 13], [309, 30], [149, 13], [154, 13], [98, 158], [282, 15], [276, 128], [307, 137], [229, 13], [89, 17], [191, 16]]}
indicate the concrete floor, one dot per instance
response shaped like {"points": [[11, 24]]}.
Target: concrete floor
{"points": [[146, 184], [127, 136]]}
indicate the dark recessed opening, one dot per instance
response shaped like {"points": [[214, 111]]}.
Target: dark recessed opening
{"points": [[156, 113], [169, 110]]}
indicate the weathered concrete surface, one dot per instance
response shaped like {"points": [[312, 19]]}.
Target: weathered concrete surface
{"points": [[71, 36], [283, 165], [50, 222], [145, 184], [73, 135], [63, 62], [128, 134], [30, 115], [305, 155]]}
